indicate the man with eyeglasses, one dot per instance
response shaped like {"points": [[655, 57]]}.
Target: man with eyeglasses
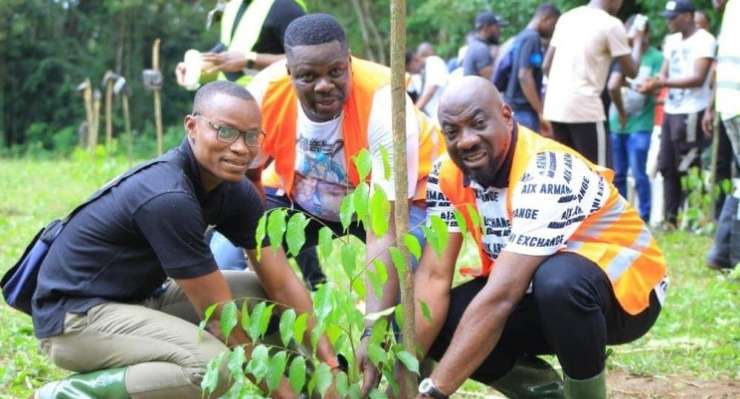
{"points": [[100, 308]]}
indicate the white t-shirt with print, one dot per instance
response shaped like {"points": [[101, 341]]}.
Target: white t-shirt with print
{"points": [[553, 197], [682, 55], [321, 179]]}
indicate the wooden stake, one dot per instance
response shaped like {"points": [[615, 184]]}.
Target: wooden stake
{"points": [[89, 118], [398, 104], [157, 98], [127, 122], [108, 112], [96, 119]]}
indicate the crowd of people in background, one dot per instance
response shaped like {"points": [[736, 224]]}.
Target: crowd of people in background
{"points": [[605, 89]]}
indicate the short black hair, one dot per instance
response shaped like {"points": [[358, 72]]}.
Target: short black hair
{"points": [[209, 90], [547, 10], [314, 29], [409, 56]]}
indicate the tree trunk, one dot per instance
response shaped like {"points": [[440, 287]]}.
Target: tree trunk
{"points": [[375, 33], [157, 99], [398, 104]]}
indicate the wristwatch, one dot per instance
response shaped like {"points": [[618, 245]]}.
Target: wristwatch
{"points": [[251, 57], [427, 388]]}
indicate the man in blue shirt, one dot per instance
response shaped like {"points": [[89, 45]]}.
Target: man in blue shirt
{"points": [[478, 59], [524, 89]]}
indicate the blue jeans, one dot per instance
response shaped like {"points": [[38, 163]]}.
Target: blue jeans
{"points": [[527, 117], [630, 153]]}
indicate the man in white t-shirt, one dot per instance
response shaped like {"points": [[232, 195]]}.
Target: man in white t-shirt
{"points": [[585, 41], [688, 53], [434, 75]]}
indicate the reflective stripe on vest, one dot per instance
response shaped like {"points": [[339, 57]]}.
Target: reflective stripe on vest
{"points": [[614, 237], [279, 116], [248, 27]]}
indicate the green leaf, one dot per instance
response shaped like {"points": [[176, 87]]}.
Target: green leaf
{"points": [[439, 238], [276, 227], [360, 200], [378, 276], [380, 211], [296, 233], [409, 360], [228, 319], [386, 162], [349, 254], [210, 378], [287, 321], [346, 209], [235, 364], [358, 286], [363, 162], [461, 221], [342, 384], [321, 379], [259, 364], [254, 322], [425, 311], [398, 315], [376, 354], [379, 331], [207, 316], [412, 244], [300, 326], [378, 394], [297, 373], [264, 319], [260, 234], [400, 262], [277, 368], [245, 315], [325, 242]]}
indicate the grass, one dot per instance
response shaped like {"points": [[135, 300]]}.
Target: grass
{"points": [[697, 335]]}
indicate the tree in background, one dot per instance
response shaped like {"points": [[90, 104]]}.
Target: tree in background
{"points": [[47, 47]]}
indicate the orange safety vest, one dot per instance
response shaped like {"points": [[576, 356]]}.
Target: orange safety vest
{"points": [[279, 116], [614, 237]]}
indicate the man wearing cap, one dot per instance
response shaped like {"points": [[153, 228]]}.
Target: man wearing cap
{"points": [[585, 41], [478, 59], [688, 54]]}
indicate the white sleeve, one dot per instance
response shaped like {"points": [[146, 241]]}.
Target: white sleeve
{"points": [[437, 203], [435, 71], [708, 47], [555, 194], [380, 135], [257, 87]]}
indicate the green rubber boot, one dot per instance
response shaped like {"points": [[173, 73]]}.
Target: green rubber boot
{"points": [[530, 378], [591, 388], [108, 384]]}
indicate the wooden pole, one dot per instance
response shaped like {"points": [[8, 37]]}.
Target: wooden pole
{"points": [[89, 118], [108, 112], [127, 122], [398, 104], [157, 98], [96, 119]]}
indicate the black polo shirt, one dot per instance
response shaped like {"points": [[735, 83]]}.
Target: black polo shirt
{"points": [[122, 246]]}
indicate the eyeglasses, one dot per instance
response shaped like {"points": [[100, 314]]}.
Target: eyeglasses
{"points": [[228, 134]]}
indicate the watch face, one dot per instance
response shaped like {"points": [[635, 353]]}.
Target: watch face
{"points": [[425, 386]]}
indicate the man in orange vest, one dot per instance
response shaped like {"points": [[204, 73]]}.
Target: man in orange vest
{"points": [[320, 108], [568, 266]]}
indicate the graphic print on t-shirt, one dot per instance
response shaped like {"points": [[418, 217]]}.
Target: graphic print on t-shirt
{"points": [[321, 177], [553, 197]]}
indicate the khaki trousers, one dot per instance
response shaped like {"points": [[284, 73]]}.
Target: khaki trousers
{"points": [[158, 340]]}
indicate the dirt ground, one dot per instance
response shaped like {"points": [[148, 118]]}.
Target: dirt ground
{"points": [[625, 385]]}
